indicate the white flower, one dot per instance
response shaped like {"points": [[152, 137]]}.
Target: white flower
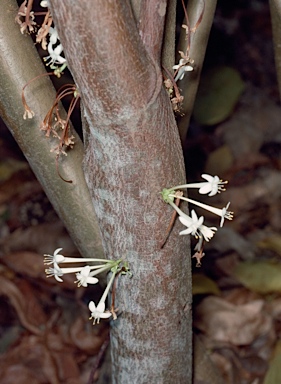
{"points": [[58, 258], [182, 67], [195, 226], [55, 258], [98, 312], [223, 213], [207, 232], [56, 272], [45, 3], [192, 223], [212, 186], [54, 57], [84, 278], [81, 272]]}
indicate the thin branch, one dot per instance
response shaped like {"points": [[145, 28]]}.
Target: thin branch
{"points": [[19, 62], [151, 26], [198, 44], [169, 40]]}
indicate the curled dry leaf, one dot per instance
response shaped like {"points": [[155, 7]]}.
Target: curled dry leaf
{"points": [[17, 373], [236, 324], [25, 263], [88, 339], [43, 238], [21, 304], [33, 358]]}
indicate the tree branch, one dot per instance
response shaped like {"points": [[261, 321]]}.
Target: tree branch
{"points": [[169, 41], [123, 78], [199, 40], [133, 152], [151, 26], [19, 62]]}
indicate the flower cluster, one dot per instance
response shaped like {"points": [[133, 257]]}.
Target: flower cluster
{"points": [[87, 275], [194, 225], [25, 18], [54, 122], [55, 60]]}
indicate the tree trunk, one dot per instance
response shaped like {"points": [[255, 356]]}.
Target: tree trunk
{"points": [[133, 152]]}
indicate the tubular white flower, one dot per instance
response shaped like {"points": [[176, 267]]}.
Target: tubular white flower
{"points": [[226, 214], [223, 213], [58, 258], [84, 278], [56, 271], [182, 68], [192, 225], [212, 186], [54, 55], [196, 227], [207, 232], [98, 312], [55, 258]]}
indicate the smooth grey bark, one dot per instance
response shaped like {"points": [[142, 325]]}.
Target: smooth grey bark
{"points": [[133, 152], [275, 12], [19, 63]]}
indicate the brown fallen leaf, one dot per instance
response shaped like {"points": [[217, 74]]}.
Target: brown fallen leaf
{"points": [[26, 263], [32, 355], [42, 238], [237, 324], [88, 339], [21, 304], [17, 373]]}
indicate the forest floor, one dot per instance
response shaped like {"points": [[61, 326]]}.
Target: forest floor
{"points": [[45, 333]]}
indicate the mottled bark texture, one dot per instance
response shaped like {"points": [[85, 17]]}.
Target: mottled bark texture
{"points": [[19, 63], [133, 152]]}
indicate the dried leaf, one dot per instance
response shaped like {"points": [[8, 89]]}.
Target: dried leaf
{"points": [[273, 375], [236, 324], [21, 304], [9, 167], [260, 276], [273, 243], [26, 263], [18, 373], [43, 238], [218, 93], [219, 161], [87, 339], [35, 360], [202, 284]]}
